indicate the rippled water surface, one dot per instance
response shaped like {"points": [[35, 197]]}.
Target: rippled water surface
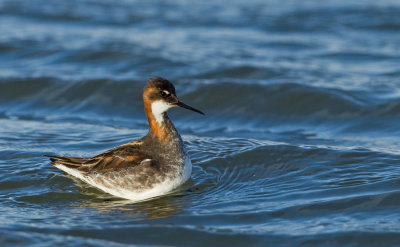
{"points": [[300, 145]]}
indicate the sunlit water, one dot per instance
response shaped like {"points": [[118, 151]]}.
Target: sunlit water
{"points": [[300, 145]]}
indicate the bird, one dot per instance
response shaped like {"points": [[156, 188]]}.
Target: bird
{"points": [[149, 167]]}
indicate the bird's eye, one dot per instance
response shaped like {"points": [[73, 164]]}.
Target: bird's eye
{"points": [[164, 93]]}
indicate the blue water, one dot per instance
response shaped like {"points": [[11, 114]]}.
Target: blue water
{"points": [[300, 145]]}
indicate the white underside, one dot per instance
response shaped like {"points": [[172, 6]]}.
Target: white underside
{"points": [[135, 195]]}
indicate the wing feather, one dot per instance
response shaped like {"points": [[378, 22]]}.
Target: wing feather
{"points": [[121, 157]]}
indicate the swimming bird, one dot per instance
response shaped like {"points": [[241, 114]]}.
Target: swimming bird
{"points": [[149, 167]]}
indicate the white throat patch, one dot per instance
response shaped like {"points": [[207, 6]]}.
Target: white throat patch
{"points": [[158, 108]]}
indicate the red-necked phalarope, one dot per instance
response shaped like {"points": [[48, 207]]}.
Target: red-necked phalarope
{"points": [[149, 167]]}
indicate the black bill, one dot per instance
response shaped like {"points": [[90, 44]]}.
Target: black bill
{"points": [[188, 107]]}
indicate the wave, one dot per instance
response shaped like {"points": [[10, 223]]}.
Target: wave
{"points": [[310, 16], [268, 102]]}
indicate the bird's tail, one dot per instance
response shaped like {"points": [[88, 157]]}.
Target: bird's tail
{"points": [[72, 162]]}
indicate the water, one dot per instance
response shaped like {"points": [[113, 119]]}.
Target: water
{"points": [[299, 147]]}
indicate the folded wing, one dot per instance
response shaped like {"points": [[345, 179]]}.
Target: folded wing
{"points": [[122, 157]]}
